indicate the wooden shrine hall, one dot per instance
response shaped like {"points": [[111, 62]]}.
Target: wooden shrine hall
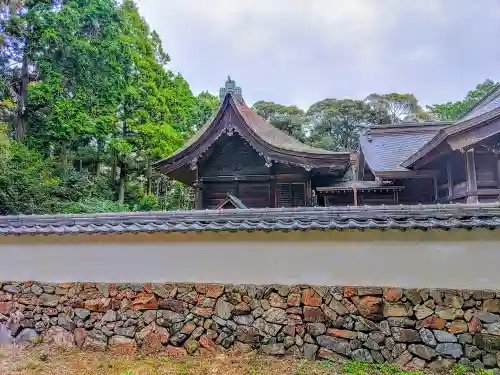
{"points": [[239, 160]]}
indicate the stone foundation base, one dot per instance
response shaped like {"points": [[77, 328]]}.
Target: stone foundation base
{"points": [[412, 327]]}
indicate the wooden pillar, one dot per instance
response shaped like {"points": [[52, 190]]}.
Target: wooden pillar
{"points": [[449, 179], [436, 190], [470, 166], [355, 192], [198, 185]]}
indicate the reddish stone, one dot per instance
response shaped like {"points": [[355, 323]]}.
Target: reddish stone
{"points": [[311, 298], [175, 352], [433, 322], [27, 284], [205, 312], [275, 300], [475, 325], [147, 288], [368, 305], [5, 308], [188, 328], [293, 300], [113, 291], [294, 320], [342, 333], [350, 291], [28, 299], [172, 304], [393, 294], [314, 315], [458, 326], [152, 343], [215, 290], [98, 304], [351, 307], [122, 344], [201, 288], [50, 311], [207, 343], [88, 285], [80, 335], [147, 302]]}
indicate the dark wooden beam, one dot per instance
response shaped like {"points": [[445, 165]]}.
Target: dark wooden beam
{"points": [[471, 176]]}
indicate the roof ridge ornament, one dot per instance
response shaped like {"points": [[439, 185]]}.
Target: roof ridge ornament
{"points": [[230, 87]]}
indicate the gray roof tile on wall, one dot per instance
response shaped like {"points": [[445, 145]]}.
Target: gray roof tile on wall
{"points": [[250, 220]]}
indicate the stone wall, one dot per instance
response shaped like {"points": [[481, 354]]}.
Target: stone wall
{"points": [[412, 327]]}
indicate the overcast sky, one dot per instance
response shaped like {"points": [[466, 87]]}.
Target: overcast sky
{"points": [[302, 51]]}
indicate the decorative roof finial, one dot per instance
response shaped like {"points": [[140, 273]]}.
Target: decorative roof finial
{"points": [[230, 87]]}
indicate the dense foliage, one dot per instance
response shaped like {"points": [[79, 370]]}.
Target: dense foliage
{"points": [[87, 103]]}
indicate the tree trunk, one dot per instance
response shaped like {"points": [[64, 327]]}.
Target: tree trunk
{"points": [[121, 183], [149, 176], [98, 159], [23, 94], [113, 170]]}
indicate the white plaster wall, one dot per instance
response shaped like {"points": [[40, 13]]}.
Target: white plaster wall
{"points": [[467, 264]]}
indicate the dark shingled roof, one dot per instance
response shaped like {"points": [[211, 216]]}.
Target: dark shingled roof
{"points": [[386, 147], [304, 219], [483, 112]]}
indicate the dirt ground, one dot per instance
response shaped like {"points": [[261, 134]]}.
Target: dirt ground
{"points": [[43, 360]]}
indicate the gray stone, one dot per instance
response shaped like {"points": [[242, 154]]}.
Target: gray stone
{"points": [[273, 349], [403, 359], [370, 344], [487, 342], [247, 335], [219, 321], [316, 329], [246, 320], [48, 300], [149, 316], [267, 328], [422, 312], [65, 321], [389, 343], [398, 349], [178, 339], [465, 338], [258, 312], [338, 307], [5, 335], [125, 331], [362, 355], [275, 315], [377, 356], [335, 344], [223, 309], [160, 290], [449, 350], [310, 351], [489, 360], [110, 316], [405, 335], [427, 337], [191, 346], [231, 325], [487, 317], [289, 341], [11, 289], [443, 336], [385, 328], [171, 316], [494, 329], [83, 314], [365, 325], [401, 322], [26, 336], [377, 336], [422, 351], [477, 364]]}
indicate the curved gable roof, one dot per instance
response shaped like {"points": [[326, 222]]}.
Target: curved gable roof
{"points": [[273, 143]]}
